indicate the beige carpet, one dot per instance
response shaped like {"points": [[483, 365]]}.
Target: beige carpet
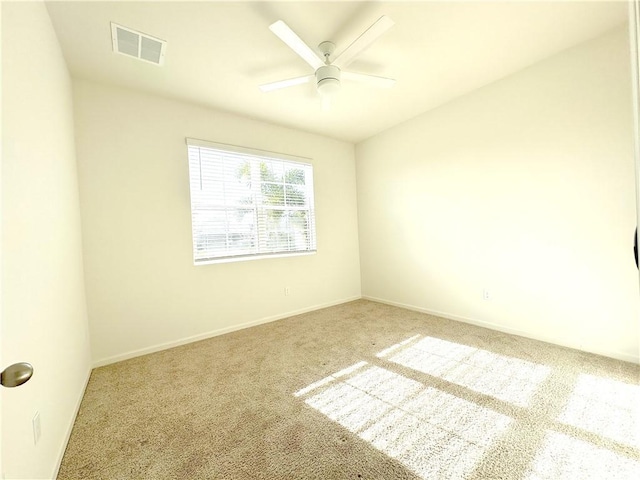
{"points": [[360, 391]]}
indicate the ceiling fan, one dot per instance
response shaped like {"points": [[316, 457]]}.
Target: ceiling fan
{"points": [[328, 72]]}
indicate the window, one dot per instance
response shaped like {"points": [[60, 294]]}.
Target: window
{"points": [[248, 204]]}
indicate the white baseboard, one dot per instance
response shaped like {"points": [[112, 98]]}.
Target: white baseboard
{"points": [[215, 333], [72, 421], [501, 328], [493, 326]]}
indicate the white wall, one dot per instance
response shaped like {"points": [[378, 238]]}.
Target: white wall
{"points": [[143, 290], [525, 188], [43, 301]]}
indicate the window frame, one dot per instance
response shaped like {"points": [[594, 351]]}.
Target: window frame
{"points": [[259, 155]]}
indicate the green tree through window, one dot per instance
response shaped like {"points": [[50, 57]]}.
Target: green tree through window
{"points": [[284, 226]]}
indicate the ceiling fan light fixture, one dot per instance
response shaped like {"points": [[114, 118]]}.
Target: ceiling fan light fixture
{"points": [[328, 80], [328, 86]]}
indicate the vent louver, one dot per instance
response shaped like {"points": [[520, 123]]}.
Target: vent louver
{"points": [[137, 44]]}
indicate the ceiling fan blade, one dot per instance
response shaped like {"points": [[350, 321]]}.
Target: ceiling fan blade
{"points": [[381, 25], [294, 42], [290, 82], [382, 82]]}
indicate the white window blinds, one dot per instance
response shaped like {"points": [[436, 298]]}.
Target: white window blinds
{"points": [[247, 204]]}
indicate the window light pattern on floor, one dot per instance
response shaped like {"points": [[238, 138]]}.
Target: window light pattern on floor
{"points": [[509, 379], [439, 435], [422, 427], [605, 407], [564, 457]]}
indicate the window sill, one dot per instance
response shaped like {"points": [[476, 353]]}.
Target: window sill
{"points": [[246, 258]]}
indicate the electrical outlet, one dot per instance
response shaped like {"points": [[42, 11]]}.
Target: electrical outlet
{"points": [[37, 430], [486, 295], [287, 291]]}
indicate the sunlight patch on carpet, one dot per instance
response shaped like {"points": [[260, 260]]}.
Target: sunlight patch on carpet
{"points": [[506, 378], [562, 456], [431, 432], [330, 378], [606, 407]]}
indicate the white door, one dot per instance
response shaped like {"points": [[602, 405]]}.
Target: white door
{"points": [[1, 336], [11, 376], [634, 36], [1, 360]]}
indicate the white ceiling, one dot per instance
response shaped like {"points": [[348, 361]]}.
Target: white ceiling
{"points": [[219, 52]]}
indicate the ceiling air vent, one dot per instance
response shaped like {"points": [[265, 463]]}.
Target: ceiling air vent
{"points": [[137, 44]]}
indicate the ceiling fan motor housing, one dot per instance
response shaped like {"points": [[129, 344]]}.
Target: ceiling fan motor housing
{"points": [[328, 79]]}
